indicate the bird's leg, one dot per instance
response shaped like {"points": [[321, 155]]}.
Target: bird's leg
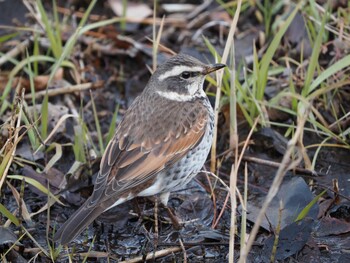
{"points": [[173, 218], [164, 197]]}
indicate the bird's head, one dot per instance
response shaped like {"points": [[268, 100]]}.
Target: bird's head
{"points": [[181, 78]]}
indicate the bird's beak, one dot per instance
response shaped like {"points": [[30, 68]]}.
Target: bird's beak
{"points": [[212, 68]]}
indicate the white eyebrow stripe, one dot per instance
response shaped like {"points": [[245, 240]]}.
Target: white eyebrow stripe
{"points": [[177, 70]]}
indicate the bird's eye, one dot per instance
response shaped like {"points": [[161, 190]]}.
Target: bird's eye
{"points": [[186, 75]]}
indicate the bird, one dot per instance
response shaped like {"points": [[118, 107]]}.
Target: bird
{"points": [[160, 144]]}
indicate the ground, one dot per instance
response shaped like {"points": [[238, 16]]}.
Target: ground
{"points": [[69, 73]]}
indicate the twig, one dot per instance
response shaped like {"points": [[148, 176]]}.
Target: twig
{"points": [[65, 90], [199, 9], [200, 30], [151, 255], [298, 170], [227, 187], [277, 164], [221, 211], [156, 223], [183, 250], [14, 52]]}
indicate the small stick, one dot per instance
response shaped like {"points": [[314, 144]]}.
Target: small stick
{"points": [[156, 225], [151, 255], [65, 90], [183, 250], [277, 164], [14, 52]]}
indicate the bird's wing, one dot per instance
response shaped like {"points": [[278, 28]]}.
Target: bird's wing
{"points": [[140, 148]]}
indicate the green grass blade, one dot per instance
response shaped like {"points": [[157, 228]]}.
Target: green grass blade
{"points": [[339, 65], [66, 51], [113, 125], [56, 49], [254, 93], [36, 184], [292, 89], [57, 25], [100, 24], [87, 13], [307, 208], [267, 58], [32, 87], [32, 59], [78, 147], [55, 157], [123, 22], [6, 91], [31, 134], [7, 37], [9, 215], [44, 116], [36, 52], [314, 59], [97, 123]]}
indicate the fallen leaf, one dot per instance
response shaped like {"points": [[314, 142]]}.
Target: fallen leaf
{"points": [[40, 82], [137, 11], [295, 195], [291, 240], [331, 226]]}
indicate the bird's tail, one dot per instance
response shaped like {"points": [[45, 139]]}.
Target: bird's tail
{"points": [[83, 217]]}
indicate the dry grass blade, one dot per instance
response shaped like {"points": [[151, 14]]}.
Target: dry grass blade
{"points": [[3, 255], [36, 242], [5, 212], [156, 38], [14, 52], [52, 133], [36, 184], [219, 76], [233, 187], [20, 202], [6, 163], [233, 184], [152, 255], [244, 210], [46, 206]]}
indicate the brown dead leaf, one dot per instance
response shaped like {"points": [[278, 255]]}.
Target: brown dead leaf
{"points": [[40, 82], [220, 16]]}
